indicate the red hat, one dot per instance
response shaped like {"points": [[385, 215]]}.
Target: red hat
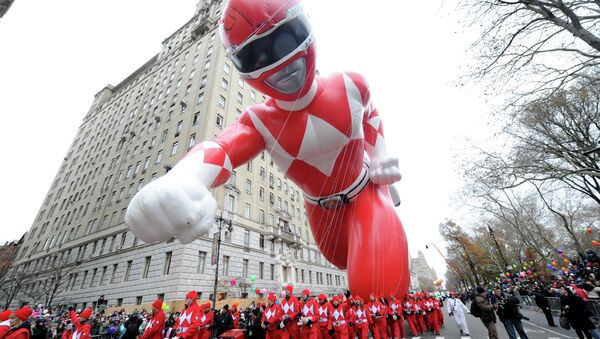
{"points": [[235, 304], [305, 291], [4, 315], [393, 294], [23, 313], [373, 295], [335, 298], [192, 295], [272, 297], [206, 305], [87, 313], [157, 304], [289, 288], [322, 297], [358, 297]]}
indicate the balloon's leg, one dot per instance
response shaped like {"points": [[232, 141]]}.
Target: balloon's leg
{"points": [[365, 237]]}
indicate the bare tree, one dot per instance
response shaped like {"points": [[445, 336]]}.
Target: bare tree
{"points": [[549, 43]]}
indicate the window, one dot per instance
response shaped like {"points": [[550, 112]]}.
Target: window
{"points": [[245, 268], [192, 140], [192, 73], [201, 262], [224, 84], [261, 193], [159, 157], [229, 203], [248, 186], [219, 120], [188, 89], [247, 210], [221, 101], [179, 127], [247, 238], [146, 268], [113, 274], [128, 270], [138, 300], [261, 241], [167, 265], [241, 83], [225, 270], [201, 95], [119, 302], [174, 148], [226, 68], [202, 84], [196, 118], [240, 97], [261, 270], [165, 135], [272, 272], [252, 95], [212, 37], [207, 63], [261, 217], [146, 163], [195, 60], [271, 219], [103, 275]]}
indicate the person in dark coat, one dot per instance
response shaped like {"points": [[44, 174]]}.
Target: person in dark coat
{"points": [[577, 313], [542, 302], [224, 321], [132, 326], [488, 317], [253, 328]]}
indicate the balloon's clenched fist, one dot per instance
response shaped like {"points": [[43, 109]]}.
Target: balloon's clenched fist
{"points": [[175, 205]]}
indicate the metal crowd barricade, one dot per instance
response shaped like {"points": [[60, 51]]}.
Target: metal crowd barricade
{"points": [[594, 307]]}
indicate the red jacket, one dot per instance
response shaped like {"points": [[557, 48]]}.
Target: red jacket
{"points": [[290, 307], [310, 309], [339, 316], [360, 317], [155, 327], [189, 321], [273, 315], [378, 310], [236, 318], [65, 335], [18, 333], [325, 315], [408, 306], [82, 331], [207, 320], [4, 328], [395, 308]]}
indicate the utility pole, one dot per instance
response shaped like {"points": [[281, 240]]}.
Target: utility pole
{"points": [[220, 222]]}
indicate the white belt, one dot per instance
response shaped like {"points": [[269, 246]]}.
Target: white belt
{"points": [[339, 323], [342, 198], [361, 321], [323, 320]]}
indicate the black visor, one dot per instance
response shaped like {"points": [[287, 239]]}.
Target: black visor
{"points": [[269, 49]]}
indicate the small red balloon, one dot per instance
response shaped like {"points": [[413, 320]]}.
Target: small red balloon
{"points": [[589, 231]]}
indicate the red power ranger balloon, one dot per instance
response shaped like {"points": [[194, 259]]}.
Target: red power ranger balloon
{"points": [[323, 132]]}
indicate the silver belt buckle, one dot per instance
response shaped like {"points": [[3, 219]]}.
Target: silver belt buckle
{"points": [[334, 201]]}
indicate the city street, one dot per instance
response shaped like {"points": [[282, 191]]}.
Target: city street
{"points": [[536, 328]]}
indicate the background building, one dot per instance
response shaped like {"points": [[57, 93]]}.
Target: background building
{"points": [[79, 248], [423, 274]]}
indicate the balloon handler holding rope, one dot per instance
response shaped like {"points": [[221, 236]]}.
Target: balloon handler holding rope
{"points": [[323, 132]]}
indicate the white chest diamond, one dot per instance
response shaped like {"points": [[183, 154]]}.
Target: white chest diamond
{"points": [[374, 309], [185, 317], [337, 314], [150, 323], [322, 311], [360, 313], [270, 314], [287, 308], [394, 307], [76, 335], [203, 319], [306, 310]]}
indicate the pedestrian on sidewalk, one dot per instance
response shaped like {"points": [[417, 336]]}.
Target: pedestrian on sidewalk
{"points": [[458, 310], [577, 313], [488, 317], [509, 314], [542, 302]]}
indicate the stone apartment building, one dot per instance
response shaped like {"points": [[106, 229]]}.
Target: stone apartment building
{"points": [[135, 132]]}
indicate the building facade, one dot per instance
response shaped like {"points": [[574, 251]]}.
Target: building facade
{"points": [[422, 276], [135, 132]]}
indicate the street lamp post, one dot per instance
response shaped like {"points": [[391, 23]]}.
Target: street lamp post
{"points": [[497, 246], [220, 221]]}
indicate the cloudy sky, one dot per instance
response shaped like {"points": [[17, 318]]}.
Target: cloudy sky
{"points": [[57, 54]]}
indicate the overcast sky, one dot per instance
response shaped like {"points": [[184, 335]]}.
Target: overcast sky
{"points": [[55, 55]]}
